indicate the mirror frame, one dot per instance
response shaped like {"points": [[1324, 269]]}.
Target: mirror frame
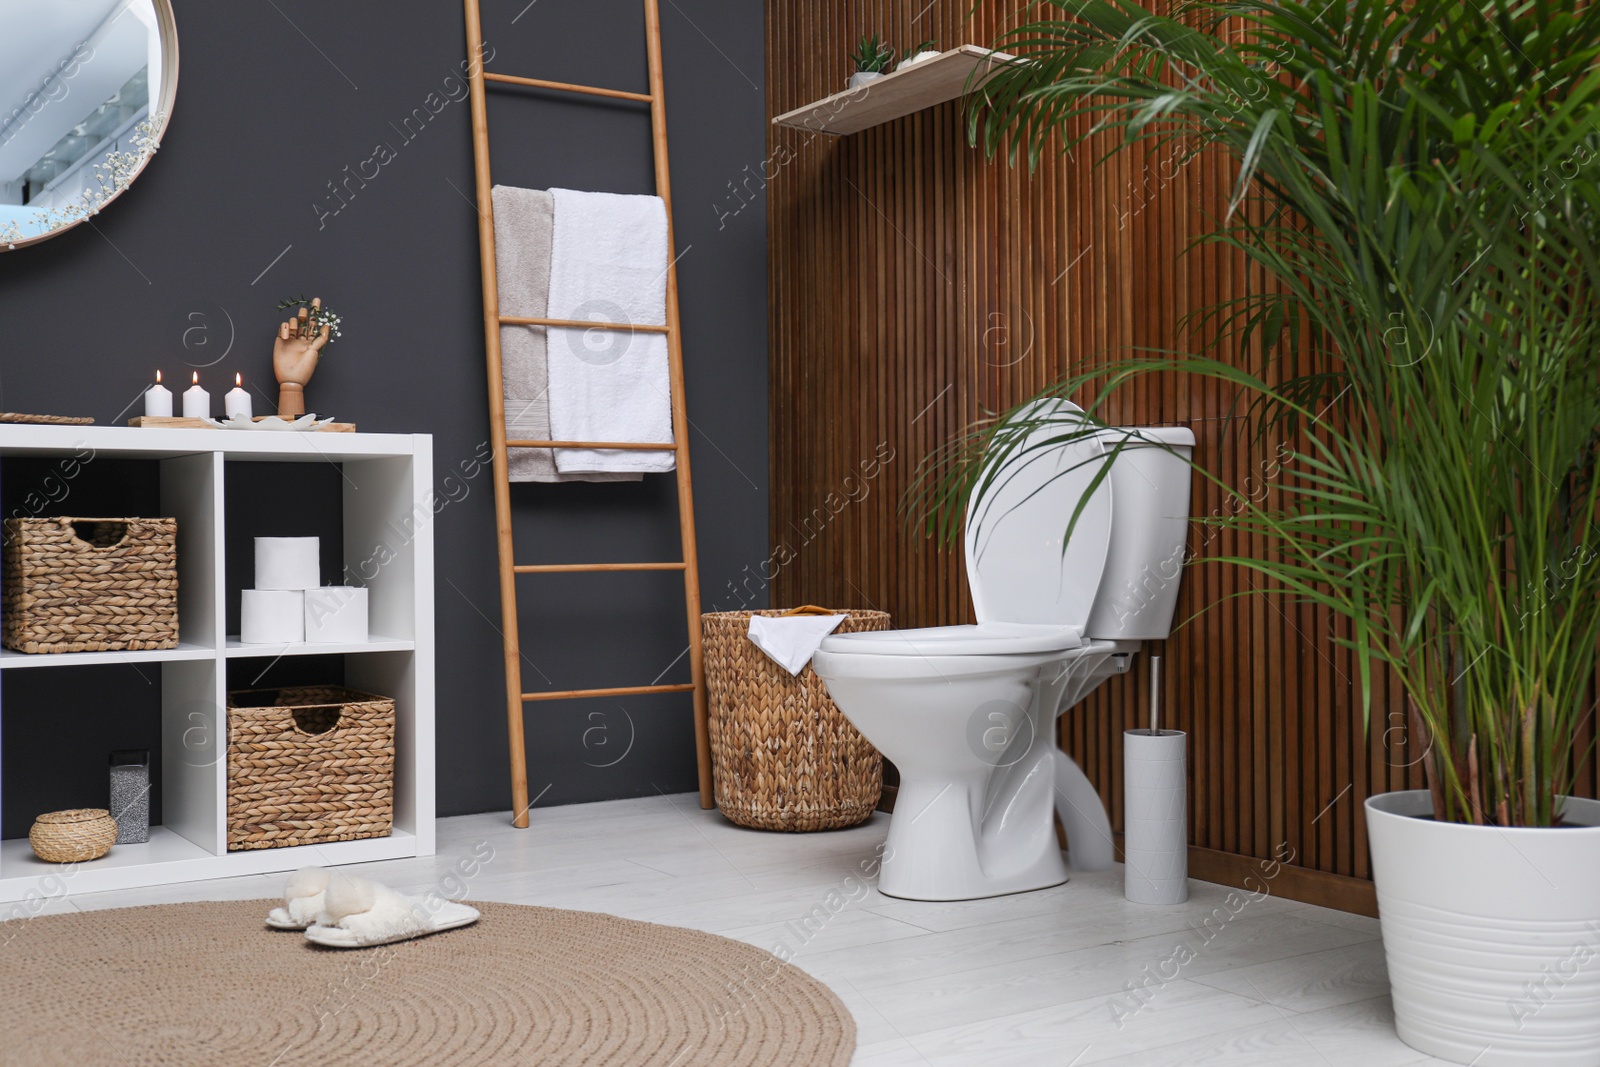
{"points": [[167, 27]]}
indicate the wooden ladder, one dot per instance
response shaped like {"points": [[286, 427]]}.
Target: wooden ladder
{"points": [[516, 699]]}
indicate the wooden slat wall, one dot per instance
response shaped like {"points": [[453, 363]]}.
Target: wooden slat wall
{"points": [[916, 287]]}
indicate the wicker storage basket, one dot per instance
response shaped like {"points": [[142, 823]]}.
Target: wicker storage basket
{"points": [[74, 836], [307, 765], [90, 585], [783, 757]]}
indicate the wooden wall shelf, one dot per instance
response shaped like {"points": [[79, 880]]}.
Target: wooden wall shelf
{"points": [[924, 85], [387, 492]]}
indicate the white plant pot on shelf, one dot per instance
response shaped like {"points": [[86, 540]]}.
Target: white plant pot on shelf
{"points": [[1492, 936], [920, 57], [864, 77]]}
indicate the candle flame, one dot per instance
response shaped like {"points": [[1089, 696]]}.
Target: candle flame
{"points": [[158, 377], [196, 377], [238, 379]]}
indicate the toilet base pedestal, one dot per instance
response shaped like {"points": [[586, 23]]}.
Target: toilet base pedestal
{"points": [[954, 841], [1083, 817]]}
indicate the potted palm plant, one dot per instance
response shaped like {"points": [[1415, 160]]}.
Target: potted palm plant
{"points": [[1419, 184]]}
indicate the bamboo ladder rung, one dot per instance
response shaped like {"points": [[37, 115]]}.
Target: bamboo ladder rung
{"points": [[615, 691], [584, 324], [631, 446], [574, 568], [569, 87]]}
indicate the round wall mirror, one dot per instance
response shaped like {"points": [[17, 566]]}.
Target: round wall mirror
{"points": [[86, 87]]}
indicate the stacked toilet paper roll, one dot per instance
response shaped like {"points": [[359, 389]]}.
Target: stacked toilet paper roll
{"points": [[1156, 845], [288, 563], [290, 605], [336, 614], [272, 616]]}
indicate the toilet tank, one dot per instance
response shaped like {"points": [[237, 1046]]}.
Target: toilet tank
{"points": [[1149, 530]]}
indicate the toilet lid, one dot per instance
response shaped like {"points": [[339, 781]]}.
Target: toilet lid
{"points": [[1017, 567], [985, 639]]}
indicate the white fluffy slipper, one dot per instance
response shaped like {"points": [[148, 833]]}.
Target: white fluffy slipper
{"points": [[303, 896], [358, 913]]}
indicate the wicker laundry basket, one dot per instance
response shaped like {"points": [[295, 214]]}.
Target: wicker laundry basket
{"points": [[783, 757], [307, 765], [90, 585]]}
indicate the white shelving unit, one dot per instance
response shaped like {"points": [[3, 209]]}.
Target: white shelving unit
{"points": [[388, 532]]}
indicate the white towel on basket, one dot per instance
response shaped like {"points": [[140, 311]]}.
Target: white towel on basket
{"points": [[791, 640], [608, 263]]}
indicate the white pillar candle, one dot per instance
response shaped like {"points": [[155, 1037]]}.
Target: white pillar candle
{"points": [[237, 402], [158, 400], [272, 616], [196, 401], [287, 563], [336, 614]]}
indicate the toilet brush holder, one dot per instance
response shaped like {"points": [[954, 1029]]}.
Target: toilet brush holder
{"points": [[1156, 844]]}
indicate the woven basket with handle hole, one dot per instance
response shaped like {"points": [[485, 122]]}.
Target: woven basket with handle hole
{"points": [[308, 764], [783, 757], [90, 585]]}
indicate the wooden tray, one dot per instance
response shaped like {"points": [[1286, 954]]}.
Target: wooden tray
{"points": [[178, 422]]}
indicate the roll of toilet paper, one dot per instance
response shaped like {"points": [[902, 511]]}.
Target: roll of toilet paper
{"points": [[287, 563], [272, 616], [336, 614], [1156, 844]]}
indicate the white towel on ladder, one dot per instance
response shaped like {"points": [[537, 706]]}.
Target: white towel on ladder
{"points": [[608, 263]]}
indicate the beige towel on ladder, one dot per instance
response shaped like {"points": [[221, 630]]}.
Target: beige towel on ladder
{"points": [[524, 221]]}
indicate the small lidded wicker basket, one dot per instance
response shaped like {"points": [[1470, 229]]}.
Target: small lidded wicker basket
{"points": [[73, 836], [90, 585], [783, 756]]}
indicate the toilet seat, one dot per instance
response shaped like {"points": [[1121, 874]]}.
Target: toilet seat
{"points": [[914, 668], [1018, 568], [984, 639]]}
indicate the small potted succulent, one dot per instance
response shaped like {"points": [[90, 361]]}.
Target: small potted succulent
{"points": [[920, 53], [872, 58]]}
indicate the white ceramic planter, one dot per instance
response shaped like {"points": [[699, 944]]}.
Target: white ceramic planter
{"points": [[920, 57], [864, 77], [1492, 936]]}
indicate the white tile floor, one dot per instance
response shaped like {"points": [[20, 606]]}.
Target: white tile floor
{"points": [[1033, 979]]}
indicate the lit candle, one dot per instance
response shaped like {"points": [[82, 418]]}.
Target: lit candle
{"points": [[196, 401], [158, 400], [237, 403]]}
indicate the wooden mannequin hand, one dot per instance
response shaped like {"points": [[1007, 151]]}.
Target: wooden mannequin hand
{"points": [[295, 352], [294, 360]]}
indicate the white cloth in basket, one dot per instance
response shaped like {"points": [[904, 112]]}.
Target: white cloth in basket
{"points": [[790, 641]]}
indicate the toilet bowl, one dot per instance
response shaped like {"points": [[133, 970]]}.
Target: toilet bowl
{"points": [[967, 713]]}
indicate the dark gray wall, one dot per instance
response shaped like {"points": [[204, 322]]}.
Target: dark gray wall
{"points": [[275, 100]]}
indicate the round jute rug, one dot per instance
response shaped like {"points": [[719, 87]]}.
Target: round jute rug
{"points": [[207, 985]]}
